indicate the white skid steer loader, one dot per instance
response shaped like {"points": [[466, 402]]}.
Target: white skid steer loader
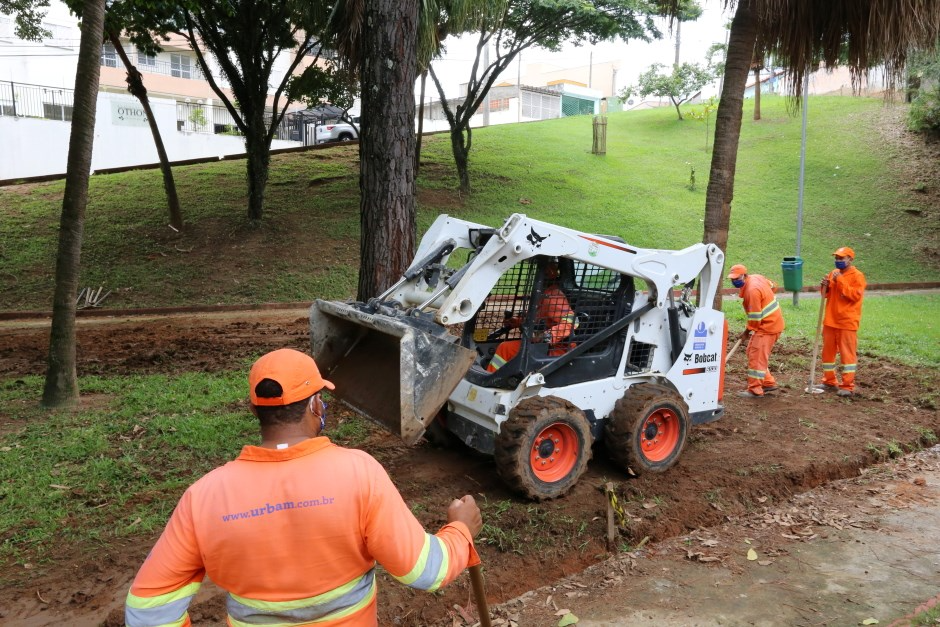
{"points": [[634, 364]]}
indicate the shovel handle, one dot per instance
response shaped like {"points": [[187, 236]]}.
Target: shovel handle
{"points": [[476, 580], [819, 321]]}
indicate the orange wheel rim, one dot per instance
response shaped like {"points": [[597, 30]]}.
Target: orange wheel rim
{"points": [[660, 435], [554, 452]]}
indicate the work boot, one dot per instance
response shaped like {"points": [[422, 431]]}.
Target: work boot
{"points": [[749, 394], [843, 392], [771, 388], [825, 387]]}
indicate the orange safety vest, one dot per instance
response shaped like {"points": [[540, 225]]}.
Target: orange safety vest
{"points": [[846, 291], [293, 535], [761, 306], [560, 322]]}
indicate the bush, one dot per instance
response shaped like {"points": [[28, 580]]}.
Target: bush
{"points": [[924, 115]]}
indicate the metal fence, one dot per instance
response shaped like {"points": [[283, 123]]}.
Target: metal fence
{"points": [[194, 117], [36, 101]]}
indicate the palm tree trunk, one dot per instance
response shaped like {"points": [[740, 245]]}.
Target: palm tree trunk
{"points": [[424, 79], [720, 191], [387, 144], [135, 85], [61, 385]]}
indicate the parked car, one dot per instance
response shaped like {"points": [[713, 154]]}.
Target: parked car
{"points": [[337, 131]]}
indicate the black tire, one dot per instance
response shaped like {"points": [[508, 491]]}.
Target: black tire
{"points": [[543, 448], [647, 429], [345, 137], [439, 436]]}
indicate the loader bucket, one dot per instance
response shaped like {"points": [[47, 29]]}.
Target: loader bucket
{"points": [[391, 368]]}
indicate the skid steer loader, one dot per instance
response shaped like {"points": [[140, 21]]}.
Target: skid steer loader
{"points": [[637, 365]]}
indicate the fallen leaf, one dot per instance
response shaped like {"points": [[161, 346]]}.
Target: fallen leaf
{"points": [[649, 505], [870, 621], [765, 562], [567, 619], [762, 499], [60, 487], [562, 612], [751, 555]]}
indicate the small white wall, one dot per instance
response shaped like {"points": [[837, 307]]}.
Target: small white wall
{"points": [[39, 147]]}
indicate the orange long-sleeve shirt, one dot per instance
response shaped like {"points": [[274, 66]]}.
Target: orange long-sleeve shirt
{"points": [[846, 291], [294, 534], [761, 306]]}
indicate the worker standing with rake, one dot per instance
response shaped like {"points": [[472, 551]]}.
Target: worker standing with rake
{"points": [[844, 289], [292, 528], [764, 325]]}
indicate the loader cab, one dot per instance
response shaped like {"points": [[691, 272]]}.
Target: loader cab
{"points": [[515, 312]]}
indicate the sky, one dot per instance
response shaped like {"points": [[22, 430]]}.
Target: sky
{"points": [[635, 56]]}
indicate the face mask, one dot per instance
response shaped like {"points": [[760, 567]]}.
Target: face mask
{"points": [[323, 417], [737, 282], [842, 265]]}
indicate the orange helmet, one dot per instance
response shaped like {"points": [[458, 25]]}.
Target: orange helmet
{"points": [[845, 251]]}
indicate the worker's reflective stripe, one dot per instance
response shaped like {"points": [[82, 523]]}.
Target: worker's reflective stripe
{"points": [[337, 603], [756, 374], [829, 367], [572, 319], [163, 610], [431, 567], [849, 367], [496, 363], [766, 311]]}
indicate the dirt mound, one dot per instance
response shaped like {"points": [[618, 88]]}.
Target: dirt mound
{"points": [[759, 454]]}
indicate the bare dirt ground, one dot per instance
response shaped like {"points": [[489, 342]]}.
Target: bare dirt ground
{"points": [[753, 459]]}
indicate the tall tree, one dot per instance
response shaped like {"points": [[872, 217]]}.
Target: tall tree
{"points": [[61, 385], [514, 25], [135, 85], [387, 144], [246, 38], [801, 33]]}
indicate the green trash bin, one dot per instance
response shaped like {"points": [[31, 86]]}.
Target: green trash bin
{"points": [[792, 273]]}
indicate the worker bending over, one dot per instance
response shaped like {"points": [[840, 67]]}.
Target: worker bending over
{"points": [[292, 528], [764, 325]]}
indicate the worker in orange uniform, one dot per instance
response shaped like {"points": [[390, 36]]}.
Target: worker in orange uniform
{"points": [[293, 527], [554, 310], [764, 325], [844, 288]]}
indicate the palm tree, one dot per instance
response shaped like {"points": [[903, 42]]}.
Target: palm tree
{"points": [[801, 34], [61, 386]]}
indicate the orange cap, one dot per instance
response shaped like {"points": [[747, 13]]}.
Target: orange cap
{"points": [[296, 373], [737, 270], [845, 251]]}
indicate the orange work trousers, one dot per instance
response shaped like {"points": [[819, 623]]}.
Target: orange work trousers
{"points": [[758, 359], [842, 342]]}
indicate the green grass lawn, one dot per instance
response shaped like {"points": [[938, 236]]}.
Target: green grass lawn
{"points": [[307, 244]]}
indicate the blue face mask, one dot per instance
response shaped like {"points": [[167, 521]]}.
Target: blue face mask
{"points": [[842, 265], [737, 282], [323, 417]]}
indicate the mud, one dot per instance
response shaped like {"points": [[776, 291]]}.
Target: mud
{"points": [[758, 455]]}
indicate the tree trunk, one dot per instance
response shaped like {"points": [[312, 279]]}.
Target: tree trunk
{"points": [[741, 41], [387, 145], [676, 105], [258, 149], [424, 79], [135, 85], [461, 158], [61, 386], [757, 67]]}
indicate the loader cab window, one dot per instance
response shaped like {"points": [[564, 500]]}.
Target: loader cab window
{"points": [[593, 298]]}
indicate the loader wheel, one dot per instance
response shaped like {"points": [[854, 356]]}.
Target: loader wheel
{"points": [[543, 448], [647, 429]]}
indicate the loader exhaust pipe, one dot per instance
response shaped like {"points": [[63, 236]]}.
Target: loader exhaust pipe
{"points": [[393, 367]]}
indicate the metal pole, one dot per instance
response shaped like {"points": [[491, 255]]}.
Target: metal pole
{"points": [[519, 89], [799, 208]]}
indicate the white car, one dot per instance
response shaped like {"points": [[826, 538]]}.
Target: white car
{"points": [[337, 132]]}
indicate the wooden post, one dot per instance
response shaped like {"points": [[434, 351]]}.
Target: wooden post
{"points": [[611, 523], [600, 135]]}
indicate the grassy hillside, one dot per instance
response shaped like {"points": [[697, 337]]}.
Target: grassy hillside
{"points": [[308, 243]]}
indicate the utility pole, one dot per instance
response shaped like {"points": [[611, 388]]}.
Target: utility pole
{"points": [[678, 40], [590, 67], [799, 209], [519, 89]]}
